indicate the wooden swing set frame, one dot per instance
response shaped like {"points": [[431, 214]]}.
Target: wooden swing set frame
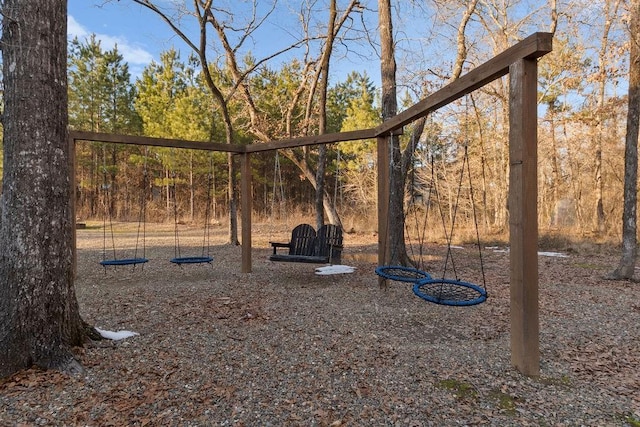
{"points": [[520, 63]]}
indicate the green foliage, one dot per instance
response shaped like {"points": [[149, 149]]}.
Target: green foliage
{"points": [[100, 93], [174, 103], [341, 96], [361, 113], [100, 100]]}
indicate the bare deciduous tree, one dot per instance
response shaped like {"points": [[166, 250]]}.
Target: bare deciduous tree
{"points": [[224, 24], [626, 267], [402, 159]]}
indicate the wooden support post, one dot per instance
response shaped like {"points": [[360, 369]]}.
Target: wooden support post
{"points": [[246, 199], [384, 175], [523, 216], [72, 204]]}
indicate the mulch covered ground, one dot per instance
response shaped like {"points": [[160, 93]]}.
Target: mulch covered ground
{"points": [[283, 346]]}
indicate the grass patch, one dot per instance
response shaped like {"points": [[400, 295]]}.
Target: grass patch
{"points": [[504, 401], [460, 389], [632, 421], [563, 381]]}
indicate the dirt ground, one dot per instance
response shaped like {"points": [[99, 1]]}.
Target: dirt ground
{"points": [[284, 346]]}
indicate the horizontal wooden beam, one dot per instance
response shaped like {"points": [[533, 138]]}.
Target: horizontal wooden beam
{"points": [[534, 46], [157, 142], [328, 138], [216, 146]]}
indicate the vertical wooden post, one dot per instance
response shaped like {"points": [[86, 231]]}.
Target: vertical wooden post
{"points": [[384, 174], [246, 204], [72, 204], [523, 216]]}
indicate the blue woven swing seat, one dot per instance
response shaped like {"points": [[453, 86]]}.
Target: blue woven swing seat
{"points": [[450, 292], [401, 273], [123, 261], [192, 260]]}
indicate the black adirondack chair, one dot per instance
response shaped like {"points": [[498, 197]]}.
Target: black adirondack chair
{"points": [[325, 247], [329, 243]]}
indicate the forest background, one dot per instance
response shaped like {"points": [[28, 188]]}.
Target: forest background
{"points": [[582, 112]]}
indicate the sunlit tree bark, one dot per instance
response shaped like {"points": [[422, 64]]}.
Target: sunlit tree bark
{"points": [[39, 315], [626, 267], [610, 14]]}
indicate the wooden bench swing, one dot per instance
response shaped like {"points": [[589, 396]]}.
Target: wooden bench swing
{"points": [[323, 247]]}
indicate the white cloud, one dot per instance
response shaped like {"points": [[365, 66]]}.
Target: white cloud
{"points": [[132, 53], [74, 29]]}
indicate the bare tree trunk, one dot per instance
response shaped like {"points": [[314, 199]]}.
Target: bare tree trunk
{"points": [[39, 315], [417, 129], [322, 124], [303, 165], [627, 263], [611, 8], [323, 203], [395, 221], [205, 16]]}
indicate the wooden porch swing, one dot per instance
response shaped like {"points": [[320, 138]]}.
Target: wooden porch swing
{"points": [[323, 247]]}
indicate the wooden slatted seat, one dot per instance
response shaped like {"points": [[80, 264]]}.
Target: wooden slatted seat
{"points": [[329, 243], [325, 247]]}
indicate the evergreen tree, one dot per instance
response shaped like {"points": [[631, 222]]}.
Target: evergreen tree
{"points": [[174, 103], [101, 95], [100, 100], [341, 96], [358, 157]]}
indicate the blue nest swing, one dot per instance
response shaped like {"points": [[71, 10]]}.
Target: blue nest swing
{"points": [[192, 260], [401, 273], [123, 261], [450, 292]]}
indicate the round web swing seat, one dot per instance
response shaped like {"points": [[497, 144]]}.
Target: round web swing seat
{"points": [[401, 273], [450, 292], [192, 260], [123, 261]]}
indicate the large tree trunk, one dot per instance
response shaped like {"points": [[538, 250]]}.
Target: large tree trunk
{"points": [[611, 11], [627, 264], [402, 161], [39, 316], [395, 221]]}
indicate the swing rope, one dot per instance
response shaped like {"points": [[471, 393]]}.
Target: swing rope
{"points": [[141, 228], [401, 273], [446, 291], [205, 256]]}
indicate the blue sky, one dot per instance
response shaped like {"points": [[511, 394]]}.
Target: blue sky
{"points": [[141, 35]]}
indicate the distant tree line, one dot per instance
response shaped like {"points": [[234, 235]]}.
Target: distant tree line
{"points": [[169, 100], [582, 118]]}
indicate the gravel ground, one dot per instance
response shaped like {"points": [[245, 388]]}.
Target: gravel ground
{"points": [[283, 346]]}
